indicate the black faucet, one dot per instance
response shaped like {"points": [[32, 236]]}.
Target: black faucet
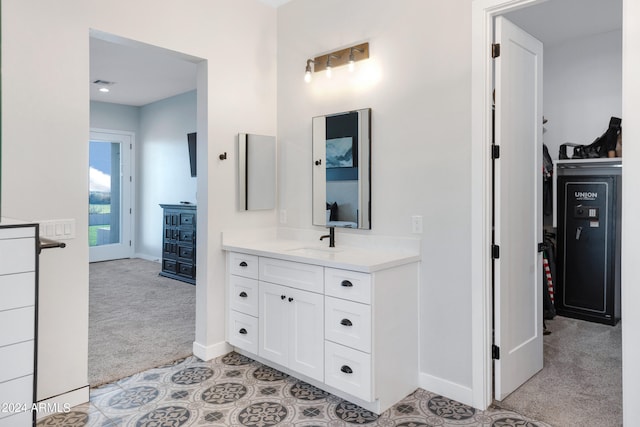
{"points": [[331, 236]]}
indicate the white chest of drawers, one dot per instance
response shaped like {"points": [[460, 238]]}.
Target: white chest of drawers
{"points": [[18, 299], [352, 333]]}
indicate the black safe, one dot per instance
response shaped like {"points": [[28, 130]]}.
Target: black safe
{"points": [[588, 264]]}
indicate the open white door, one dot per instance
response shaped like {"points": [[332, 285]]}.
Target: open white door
{"points": [[517, 208]]}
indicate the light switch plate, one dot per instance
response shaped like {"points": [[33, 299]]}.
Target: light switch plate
{"points": [[58, 229], [416, 224]]}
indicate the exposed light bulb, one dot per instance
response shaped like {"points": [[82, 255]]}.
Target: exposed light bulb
{"points": [[329, 72], [307, 76], [352, 65]]}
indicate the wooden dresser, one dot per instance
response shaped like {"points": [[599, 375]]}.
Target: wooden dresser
{"points": [[179, 242]]}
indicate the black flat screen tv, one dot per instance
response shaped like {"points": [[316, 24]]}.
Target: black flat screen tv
{"points": [[191, 140]]}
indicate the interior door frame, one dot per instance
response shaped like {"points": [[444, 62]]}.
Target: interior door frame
{"points": [[483, 13]]}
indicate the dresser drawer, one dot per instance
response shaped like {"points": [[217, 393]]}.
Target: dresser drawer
{"points": [[16, 391], [243, 331], [348, 323], [345, 284], [243, 265], [17, 255], [243, 295], [17, 325], [348, 370], [17, 290], [16, 360], [295, 274]]}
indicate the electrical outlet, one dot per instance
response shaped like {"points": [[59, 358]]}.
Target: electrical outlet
{"points": [[416, 224], [283, 216]]}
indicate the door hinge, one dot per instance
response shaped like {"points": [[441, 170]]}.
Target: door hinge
{"points": [[130, 211], [130, 146], [129, 242], [495, 352], [495, 251], [495, 152], [130, 179], [495, 50], [542, 247]]}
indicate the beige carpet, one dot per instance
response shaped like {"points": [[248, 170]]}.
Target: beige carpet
{"points": [[581, 382], [137, 319]]}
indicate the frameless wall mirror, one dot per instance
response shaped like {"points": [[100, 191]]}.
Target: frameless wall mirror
{"points": [[342, 169], [256, 172]]}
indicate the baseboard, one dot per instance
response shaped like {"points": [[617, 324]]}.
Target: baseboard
{"points": [[211, 351], [62, 402], [146, 257], [451, 390]]}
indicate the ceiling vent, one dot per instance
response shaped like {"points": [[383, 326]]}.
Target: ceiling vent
{"points": [[103, 82]]}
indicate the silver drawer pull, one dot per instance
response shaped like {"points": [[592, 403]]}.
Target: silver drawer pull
{"points": [[346, 322], [346, 284], [346, 369]]}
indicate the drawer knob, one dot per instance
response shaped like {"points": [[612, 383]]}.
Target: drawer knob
{"points": [[243, 264], [346, 284], [346, 369], [283, 296], [290, 299], [243, 331], [243, 294], [346, 322]]}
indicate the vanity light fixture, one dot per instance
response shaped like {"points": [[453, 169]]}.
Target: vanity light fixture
{"points": [[329, 61], [352, 57], [328, 66], [307, 73]]}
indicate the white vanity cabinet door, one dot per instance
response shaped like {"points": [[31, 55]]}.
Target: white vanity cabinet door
{"points": [[291, 328], [306, 336], [273, 319]]}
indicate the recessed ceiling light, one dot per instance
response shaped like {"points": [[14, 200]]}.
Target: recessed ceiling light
{"points": [[104, 89]]}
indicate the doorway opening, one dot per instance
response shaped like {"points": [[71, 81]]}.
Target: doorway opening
{"points": [[131, 326], [483, 370]]}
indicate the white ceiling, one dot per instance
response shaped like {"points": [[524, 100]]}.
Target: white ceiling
{"points": [[145, 74], [141, 74], [556, 21]]}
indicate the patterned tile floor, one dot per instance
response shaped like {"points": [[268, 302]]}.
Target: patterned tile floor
{"points": [[234, 390]]}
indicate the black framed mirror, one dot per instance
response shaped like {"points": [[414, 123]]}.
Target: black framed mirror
{"points": [[342, 169]]}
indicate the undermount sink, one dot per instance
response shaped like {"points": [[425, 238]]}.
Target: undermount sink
{"points": [[315, 251]]}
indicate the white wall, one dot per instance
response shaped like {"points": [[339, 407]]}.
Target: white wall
{"points": [[417, 82], [582, 88], [45, 125], [162, 166], [104, 115], [630, 209]]}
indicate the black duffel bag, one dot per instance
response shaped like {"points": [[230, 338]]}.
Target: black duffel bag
{"points": [[598, 148]]}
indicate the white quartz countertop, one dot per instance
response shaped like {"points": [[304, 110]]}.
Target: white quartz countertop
{"points": [[366, 260]]}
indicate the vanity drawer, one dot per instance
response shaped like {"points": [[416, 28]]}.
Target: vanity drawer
{"points": [[17, 325], [243, 331], [243, 295], [295, 274], [348, 323], [17, 290], [243, 265], [16, 360], [345, 284], [12, 253], [348, 370]]}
